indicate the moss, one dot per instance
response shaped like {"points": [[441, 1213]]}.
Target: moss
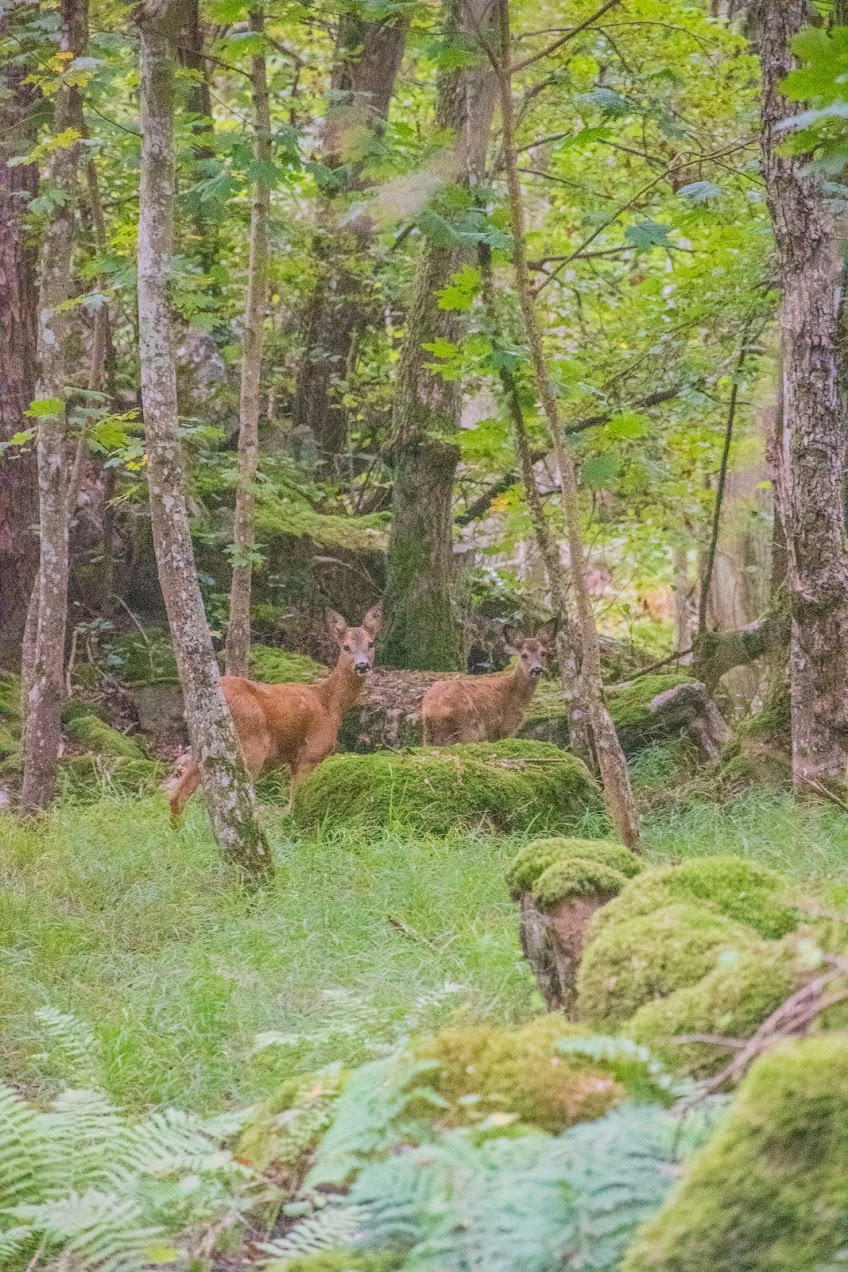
{"points": [[338, 1261], [489, 1070], [630, 704], [733, 1000], [576, 878], [537, 856], [285, 1129], [87, 777], [91, 732], [741, 890], [768, 1192], [73, 708], [10, 697], [650, 956], [629, 707], [281, 666], [436, 790]]}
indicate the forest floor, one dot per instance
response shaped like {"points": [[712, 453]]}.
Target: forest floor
{"points": [[137, 932]]}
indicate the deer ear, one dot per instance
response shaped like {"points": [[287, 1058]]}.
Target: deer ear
{"points": [[548, 631], [336, 625], [513, 639], [373, 620]]}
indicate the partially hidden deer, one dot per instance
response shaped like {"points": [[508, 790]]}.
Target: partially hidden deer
{"points": [[487, 708], [291, 725]]}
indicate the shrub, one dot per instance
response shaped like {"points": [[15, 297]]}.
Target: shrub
{"points": [[741, 890], [767, 1193], [632, 962], [502, 784], [536, 857]]}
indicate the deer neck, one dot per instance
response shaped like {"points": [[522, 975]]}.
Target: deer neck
{"points": [[341, 689], [521, 685]]}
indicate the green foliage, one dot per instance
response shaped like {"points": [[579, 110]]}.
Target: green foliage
{"points": [[91, 732], [512, 785], [636, 960], [630, 704], [820, 81], [281, 666], [767, 1193], [536, 857], [741, 890], [86, 778]]}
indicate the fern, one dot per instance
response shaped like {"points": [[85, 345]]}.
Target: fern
{"points": [[74, 1050], [333, 1227]]}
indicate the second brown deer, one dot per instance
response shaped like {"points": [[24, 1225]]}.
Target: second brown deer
{"points": [[487, 708], [292, 725]]}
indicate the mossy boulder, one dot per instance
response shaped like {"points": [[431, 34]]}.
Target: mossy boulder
{"points": [[539, 856], [731, 1001], [280, 666], [742, 890], [88, 730], [487, 1071], [768, 1192], [511, 786], [632, 962]]}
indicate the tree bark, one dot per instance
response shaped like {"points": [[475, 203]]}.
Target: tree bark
{"points": [[18, 322], [238, 629], [367, 60], [812, 458], [228, 792], [44, 678], [611, 762], [425, 404]]}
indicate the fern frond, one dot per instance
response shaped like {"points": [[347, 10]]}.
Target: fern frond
{"points": [[334, 1227], [74, 1049], [14, 1242], [97, 1231], [82, 1135], [19, 1149]]}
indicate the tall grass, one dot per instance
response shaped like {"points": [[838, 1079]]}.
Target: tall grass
{"points": [[138, 931]]}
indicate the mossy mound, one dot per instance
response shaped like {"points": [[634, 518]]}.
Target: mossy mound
{"points": [[89, 777], [489, 1071], [576, 878], [732, 1001], [742, 890], [638, 722], [635, 961], [630, 704], [338, 1261], [768, 1192], [537, 857], [279, 666], [512, 786], [88, 730]]}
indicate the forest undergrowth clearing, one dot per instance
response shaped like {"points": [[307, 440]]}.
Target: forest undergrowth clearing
{"points": [[204, 998]]}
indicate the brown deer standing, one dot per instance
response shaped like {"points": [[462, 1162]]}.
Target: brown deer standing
{"points": [[293, 725], [486, 708]]}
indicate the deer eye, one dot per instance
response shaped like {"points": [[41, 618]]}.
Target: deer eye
{"points": [[346, 648], [524, 656], [370, 644]]}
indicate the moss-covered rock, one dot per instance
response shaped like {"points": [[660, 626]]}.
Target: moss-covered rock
{"points": [[536, 857], [768, 1192], [338, 1261], [488, 1070], [576, 878], [281, 666], [512, 785], [632, 962], [742, 890], [89, 777], [95, 735], [732, 1001]]}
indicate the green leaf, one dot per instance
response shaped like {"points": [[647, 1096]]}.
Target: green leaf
{"points": [[441, 349], [648, 234], [600, 471], [700, 191], [461, 290], [628, 425], [45, 407], [607, 101]]}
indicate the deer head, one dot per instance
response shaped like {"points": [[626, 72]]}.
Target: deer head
{"points": [[533, 651], [356, 644]]}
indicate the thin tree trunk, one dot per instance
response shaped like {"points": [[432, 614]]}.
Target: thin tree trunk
{"points": [[426, 406], [812, 459], [18, 324], [611, 762], [568, 655], [238, 629], [228, 792], [199, 103], [367, 59], [44, 677]]}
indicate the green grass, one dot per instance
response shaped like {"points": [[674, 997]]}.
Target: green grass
{"points": [[108, 914]]}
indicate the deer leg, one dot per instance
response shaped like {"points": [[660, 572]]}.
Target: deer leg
{"points": [[181, 793]]}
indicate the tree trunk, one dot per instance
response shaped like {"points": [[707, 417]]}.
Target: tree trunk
{"points": [[199, 103], [425, 404], [238, 629], [611, 762], [44, 677], [812, 458], [368, 57], [18, 319], [228, 792], [421, 632]]}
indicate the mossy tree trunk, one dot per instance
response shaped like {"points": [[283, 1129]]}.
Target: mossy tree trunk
{"points": [[228, 791], [238, 629], [427, 406], [612, 764], [814, 447], [18, 322], [43, 671], [367, 59]]}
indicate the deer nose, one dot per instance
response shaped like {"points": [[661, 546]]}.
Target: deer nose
{"points": [[537, 671], [362, 665]]}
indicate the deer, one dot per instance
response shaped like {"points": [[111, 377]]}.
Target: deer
{"points": [[292, 725], [487, 708]]}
